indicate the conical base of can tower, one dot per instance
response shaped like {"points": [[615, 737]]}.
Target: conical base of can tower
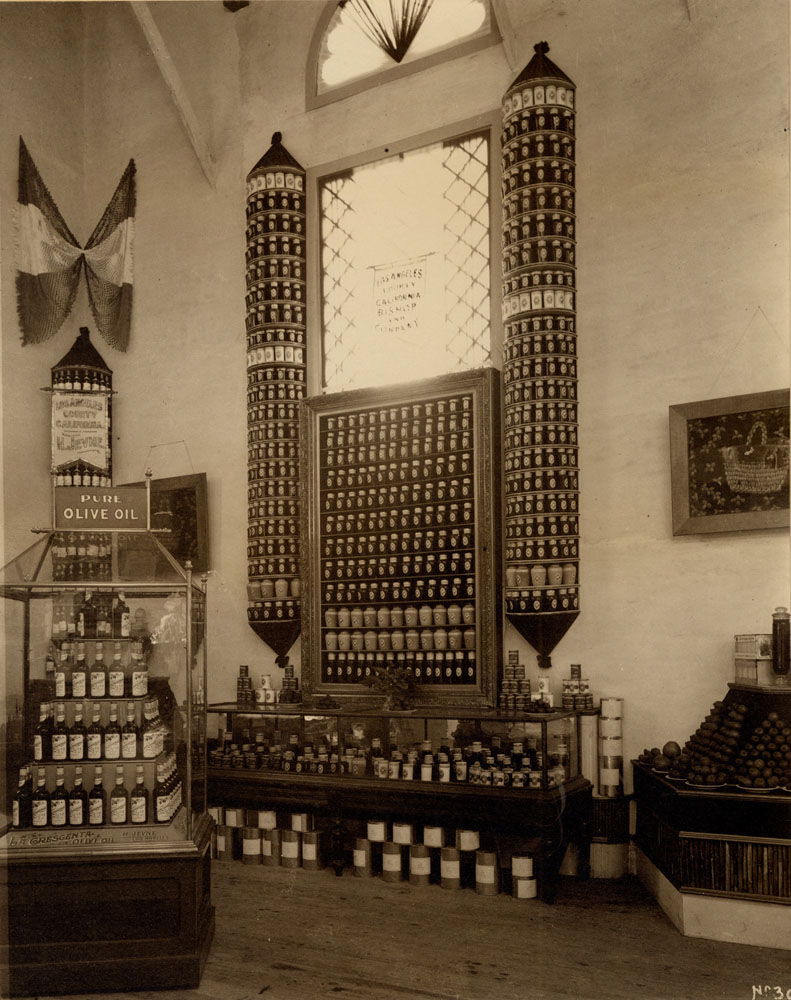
{"points": [[543, 630], [279, 636]]}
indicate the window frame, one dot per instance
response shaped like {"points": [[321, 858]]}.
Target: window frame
{"points": [[491, 121], [313, 99]]}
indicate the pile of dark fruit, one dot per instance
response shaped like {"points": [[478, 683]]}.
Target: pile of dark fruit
{"points": [[765, 759]]}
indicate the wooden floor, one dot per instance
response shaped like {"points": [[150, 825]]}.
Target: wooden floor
{"points": [[295, 935]]}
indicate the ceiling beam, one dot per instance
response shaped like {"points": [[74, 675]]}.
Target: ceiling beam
{"points": [[506, 26], [175, 86]]}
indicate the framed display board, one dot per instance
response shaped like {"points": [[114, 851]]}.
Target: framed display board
{"points": [[401, 538]]}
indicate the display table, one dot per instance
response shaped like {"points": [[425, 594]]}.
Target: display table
{"points": [[555, 817], [719, 862]]}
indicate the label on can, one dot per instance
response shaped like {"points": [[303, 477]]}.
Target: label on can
{"points": [[420, 866], [360, 859], [449, 869]]}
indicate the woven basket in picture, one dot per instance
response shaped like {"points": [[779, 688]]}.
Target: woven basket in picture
{"points": [[756, 468]]}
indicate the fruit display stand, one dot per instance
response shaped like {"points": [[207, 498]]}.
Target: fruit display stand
{"points": [[717, 853]]}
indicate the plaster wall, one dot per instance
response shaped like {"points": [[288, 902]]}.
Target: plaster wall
{"points": [[683, 288]]}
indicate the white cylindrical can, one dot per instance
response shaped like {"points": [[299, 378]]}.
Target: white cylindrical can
{"points": [[419, 864], [310, 851], [486, 873], [468, 840], [524, 888], [522, 866], [377, 830], [403, 833], [391, 861], [432, 836], [251, 846], [450, 869], [362, 857], [289, 849]]}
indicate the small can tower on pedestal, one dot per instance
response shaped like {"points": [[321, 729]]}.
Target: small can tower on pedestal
{"points": [[82, 387], [275, 300]]}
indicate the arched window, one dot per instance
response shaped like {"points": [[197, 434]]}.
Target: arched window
{"points": [[361, 43]]}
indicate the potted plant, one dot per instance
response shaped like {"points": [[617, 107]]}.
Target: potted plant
{"points": [[396, 684]]}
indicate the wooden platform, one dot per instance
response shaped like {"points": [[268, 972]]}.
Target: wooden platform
{"points": [[295, 935]]}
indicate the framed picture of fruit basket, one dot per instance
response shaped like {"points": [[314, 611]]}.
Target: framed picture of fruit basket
{"points": [[730, 463]]}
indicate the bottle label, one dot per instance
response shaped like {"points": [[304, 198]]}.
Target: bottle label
{"points": [[116, 684], [118, 809], [60, 746], [129, 746], [58, 812], [78, 684], [94, 746], [75, 812], [125, 624], [39, 813], [162, 808], [38, 747], [15, 814], [138, 809], [139, 683], [96, 812], [150, 744], [98, 684], [112, 746], [60, 684]]}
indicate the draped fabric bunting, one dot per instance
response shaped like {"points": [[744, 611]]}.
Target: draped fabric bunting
{"points": [[50, 260]]}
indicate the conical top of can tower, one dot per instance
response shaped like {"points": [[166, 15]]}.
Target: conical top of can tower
{"points": [[541, 67], [276, 156], [82, 354]]}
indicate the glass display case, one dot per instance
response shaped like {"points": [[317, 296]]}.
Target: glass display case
{"points": [[511, 752], [103, 744]]}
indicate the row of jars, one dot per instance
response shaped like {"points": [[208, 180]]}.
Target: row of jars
{"points": [[277, 354], [273, 508], [263, 201], [273, 267], [455, 427], [547, 409], [541, 548], [81, 380], [350, 529], [432, 515], [274, 246], [275, 221], [274, 391], [543, 525], [274, 489], [382, 497], [451, 561], [271, 526], [530, 434], [537, 172], [276, 313], [533, 276], [523, 112], [398, 639], [549, 298], [280, 430], [391, 450], [274, 567], [543, 370], [534, 225], [398, 589], [525, 344], [357, 472], [543, 601], [275, 291], [540, 503], [395, 617], [426, 666], [274, 411], [537, 145], [273, 454], [284, 372], [538, 252], [274, 588], [264, 471], [538, 390], [521, 575], [387, 416], [533, 325], [417, 516], [533, 198], [273, 611], [549, 467], [273, 545], [395, 567]]}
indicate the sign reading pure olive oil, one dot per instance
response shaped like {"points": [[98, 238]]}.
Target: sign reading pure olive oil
{"points": [[80, 429], [119, 508]]}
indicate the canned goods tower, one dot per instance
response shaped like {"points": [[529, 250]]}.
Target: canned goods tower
{"points": [[275, 319], [540, 355]]}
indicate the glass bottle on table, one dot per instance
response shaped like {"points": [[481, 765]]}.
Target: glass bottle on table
{"points": [[122, 619], [59, 801], [139, 671], [99, 673], [119, 798], [79, 674], [97, 800], [40, 802], [116, 679], [60, 735], [112, 735], [63, 671], [42, 737], [94, 740], [51, 677], [138, 798], [78, 800], [86, 617], [77, 735]]}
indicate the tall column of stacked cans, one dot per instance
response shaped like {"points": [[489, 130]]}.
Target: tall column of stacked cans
{"points": [[276, 368], [540, 354]]}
